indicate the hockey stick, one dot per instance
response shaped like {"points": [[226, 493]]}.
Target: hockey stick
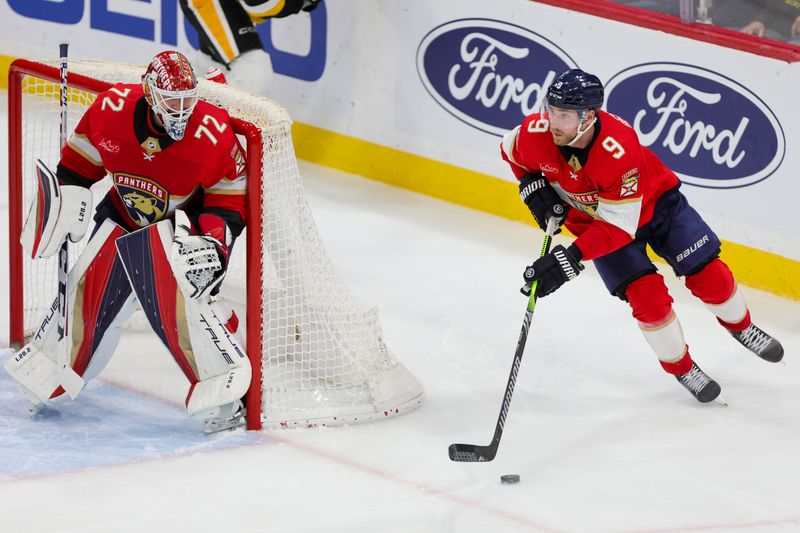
{"points": [[70, 380], [472, 453]]}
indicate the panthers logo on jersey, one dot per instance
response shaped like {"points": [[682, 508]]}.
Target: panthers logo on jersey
{"points": [[145, 200], [585, 201]]}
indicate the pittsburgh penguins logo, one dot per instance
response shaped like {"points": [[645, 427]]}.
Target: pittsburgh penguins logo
{"points": [[145, 200]]}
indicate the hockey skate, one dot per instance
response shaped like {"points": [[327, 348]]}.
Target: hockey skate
{"points": [[230, 416], [760, 343], [702, 387]]}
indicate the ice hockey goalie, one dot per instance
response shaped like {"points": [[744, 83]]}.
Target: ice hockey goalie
{"points": [[162, 237]]}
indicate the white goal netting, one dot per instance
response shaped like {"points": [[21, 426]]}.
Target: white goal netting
{"points": [[322, 353]]}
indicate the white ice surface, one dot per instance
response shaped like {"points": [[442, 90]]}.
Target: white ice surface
{"points": [[602, 438]]}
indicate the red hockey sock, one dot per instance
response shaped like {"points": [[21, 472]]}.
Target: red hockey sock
{"points": [[742, 325], [679, 367]]}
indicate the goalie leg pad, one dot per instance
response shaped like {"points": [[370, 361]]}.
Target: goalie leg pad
{"points": [[99, 302], [206, 351], [36, 371], [103, 303], [206, 397]]}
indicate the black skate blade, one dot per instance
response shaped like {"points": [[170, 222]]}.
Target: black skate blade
{"points": [[471, 453]]}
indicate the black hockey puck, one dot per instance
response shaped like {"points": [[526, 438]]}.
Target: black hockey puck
{"points": [[508, 479]]}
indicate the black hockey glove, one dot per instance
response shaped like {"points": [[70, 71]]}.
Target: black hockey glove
{"points": [[553, 270], [542, 200]]}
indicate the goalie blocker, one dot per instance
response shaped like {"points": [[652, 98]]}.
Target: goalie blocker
{"points": [[57, 212]]}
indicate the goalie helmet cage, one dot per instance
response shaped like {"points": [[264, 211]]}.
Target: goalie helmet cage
{"points": [[318, 354]]}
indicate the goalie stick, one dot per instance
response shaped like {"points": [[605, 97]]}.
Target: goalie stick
{"points": [[473, 453], [70, 380]]}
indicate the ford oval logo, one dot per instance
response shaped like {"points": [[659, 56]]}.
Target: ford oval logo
{"points": [[708, 128], [487, 73]]}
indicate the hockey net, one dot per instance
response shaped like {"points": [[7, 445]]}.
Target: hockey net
{"points": [[318, 354]]}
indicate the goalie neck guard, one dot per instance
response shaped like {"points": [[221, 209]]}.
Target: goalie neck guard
{"points": [[170, 87]]}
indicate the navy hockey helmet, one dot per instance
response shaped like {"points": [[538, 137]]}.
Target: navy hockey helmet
{"points": [[576, 89]]}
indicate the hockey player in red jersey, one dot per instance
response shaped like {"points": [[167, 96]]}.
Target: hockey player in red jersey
{"points": [[178, 177], [228, 36], [586, 168]]}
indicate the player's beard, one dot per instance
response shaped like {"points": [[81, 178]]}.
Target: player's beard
{"points": [[560, 137]]}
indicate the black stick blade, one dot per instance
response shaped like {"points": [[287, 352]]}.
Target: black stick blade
{"points": [[470, 453]]}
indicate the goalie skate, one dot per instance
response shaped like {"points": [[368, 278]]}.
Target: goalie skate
{"points": [[224, 422]]}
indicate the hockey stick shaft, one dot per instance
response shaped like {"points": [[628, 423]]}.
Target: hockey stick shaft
{"points": [[70, 380], [475, 453]]}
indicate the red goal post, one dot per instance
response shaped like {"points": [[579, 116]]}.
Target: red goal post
{"points": [[318, 355]]}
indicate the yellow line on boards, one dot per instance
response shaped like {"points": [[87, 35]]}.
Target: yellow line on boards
{"points": [[5, 61], [419, 174]]}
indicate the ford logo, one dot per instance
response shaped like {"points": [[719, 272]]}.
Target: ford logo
{"points": [[487, 73], [708, 128]]}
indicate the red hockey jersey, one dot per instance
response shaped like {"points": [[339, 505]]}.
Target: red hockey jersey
{"points": [[152, 174], [612, 194]]}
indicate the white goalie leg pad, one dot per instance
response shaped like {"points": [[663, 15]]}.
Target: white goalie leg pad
{"points": [[35, 366], [55, 213], [191, 328], [36, 371], [223, 367]]}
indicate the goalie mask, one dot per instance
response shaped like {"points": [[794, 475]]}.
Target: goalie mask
{"points": [[170, 87]]}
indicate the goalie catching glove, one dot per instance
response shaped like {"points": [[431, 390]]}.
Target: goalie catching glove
{"points": [[200, 261], [553, 270], [57, 212]]}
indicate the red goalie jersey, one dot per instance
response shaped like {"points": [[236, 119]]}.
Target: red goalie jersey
{"points": [[153, 174], [613, 191]]}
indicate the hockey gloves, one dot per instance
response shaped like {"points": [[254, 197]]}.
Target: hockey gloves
{"points": [[542, 200], [56, 212], [199, 261], [552, 270]]}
